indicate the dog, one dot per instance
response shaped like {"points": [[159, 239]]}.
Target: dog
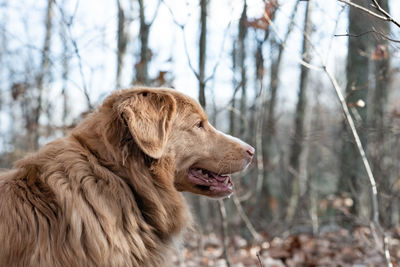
{"points": [[108, 194]]}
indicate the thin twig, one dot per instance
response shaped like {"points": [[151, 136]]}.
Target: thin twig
{"points": [[283, 44], [385, 13], [221, 51], [335, 28], [386, 16], [85, 88], [357, 139], [259, 148], [182, 28], [367, 32], [155, 13], [386, 249], [68, 24], [259, 260], [364, 9], [246, 219], [224, 228]]}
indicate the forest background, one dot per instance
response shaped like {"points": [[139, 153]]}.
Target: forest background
{"points": [[312, 85]]}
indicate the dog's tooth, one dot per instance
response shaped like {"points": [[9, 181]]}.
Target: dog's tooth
{"points": [[226, 180]]}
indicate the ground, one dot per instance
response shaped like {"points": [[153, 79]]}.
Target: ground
{"points": [[336, 248]]}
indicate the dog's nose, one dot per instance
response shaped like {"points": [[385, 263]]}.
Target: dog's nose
{"points": [[250, 150]]}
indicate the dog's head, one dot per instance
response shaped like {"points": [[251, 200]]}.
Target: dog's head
{"points": [[166, 123]]}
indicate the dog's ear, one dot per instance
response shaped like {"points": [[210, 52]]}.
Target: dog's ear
{"points": [[148, 115]]}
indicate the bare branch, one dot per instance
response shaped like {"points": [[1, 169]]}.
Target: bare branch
{"points": [[368, 32], [182, 28], [386, 249], [188, 56], [219, 55], [364, 9], [173, 16], [259, 260], [386, 16], [283, 43], [224, 226], [357, 139], [246, 219], [68, 24], [155, 13]]}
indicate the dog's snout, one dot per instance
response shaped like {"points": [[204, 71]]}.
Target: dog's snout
{"points": [[245, 150]]}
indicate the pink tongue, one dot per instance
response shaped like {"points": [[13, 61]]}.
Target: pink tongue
{"points": [[218, 177], [209, 178]]}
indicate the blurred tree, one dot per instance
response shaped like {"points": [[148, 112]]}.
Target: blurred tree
{"points": [[141, 67], [44, 72], [269, 127], [122, 41], [257, 119], [357, 71], [380, 146], [65, 62], [296, 170], [239, 81], [202, 51], [242, 68]]}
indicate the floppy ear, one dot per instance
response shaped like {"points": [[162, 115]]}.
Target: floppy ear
{"points": [[148, 115]]}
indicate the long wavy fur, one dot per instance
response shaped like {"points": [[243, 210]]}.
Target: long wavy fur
{"points": [[92, 198]]}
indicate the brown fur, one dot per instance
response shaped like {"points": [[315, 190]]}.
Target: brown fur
{"points": [[108, 193]]}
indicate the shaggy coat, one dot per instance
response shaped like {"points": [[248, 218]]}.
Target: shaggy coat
{"points": [[108, 193]]}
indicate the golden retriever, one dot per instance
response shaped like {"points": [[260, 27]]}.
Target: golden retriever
{"points": [[108, 193]]}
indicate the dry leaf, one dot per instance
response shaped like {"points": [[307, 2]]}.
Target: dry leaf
{"points": [[379, 53]]}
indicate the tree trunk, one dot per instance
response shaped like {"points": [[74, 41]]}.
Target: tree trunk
{"points": [[351, 171], [270, 120], [259, 103], [142, 76], [122, 42], [65, 74], [242, 67], [40, 80], [224, 231], [202, 51], [298, 138], [379, 119], [232, 115]]}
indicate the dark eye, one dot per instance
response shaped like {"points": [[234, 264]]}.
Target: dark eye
{"points": [[200, 124]]}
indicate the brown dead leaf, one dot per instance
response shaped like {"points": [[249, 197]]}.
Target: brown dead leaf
{"points": [[379, 53], [349, 254], [278, 253], [263, 22]]}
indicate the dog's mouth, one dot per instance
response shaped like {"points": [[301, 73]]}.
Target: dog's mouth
{"points": [[211, 183]]}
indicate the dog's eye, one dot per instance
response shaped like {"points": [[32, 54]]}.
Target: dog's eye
{"points": [[200, 124]]}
